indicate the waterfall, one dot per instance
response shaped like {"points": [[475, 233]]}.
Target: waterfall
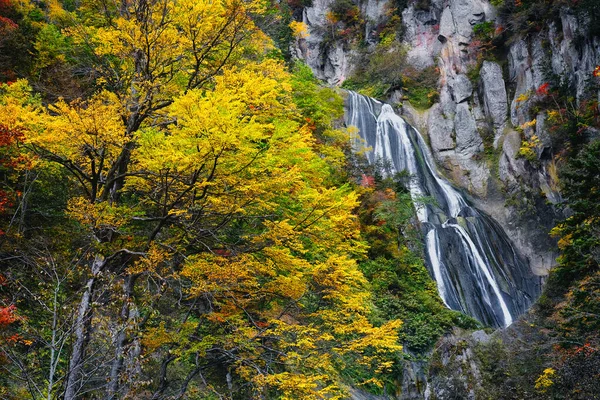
{"points": [[476, 267]]}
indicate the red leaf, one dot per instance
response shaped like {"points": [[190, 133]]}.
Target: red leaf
{"points": [[367, 181], [543, 89]]}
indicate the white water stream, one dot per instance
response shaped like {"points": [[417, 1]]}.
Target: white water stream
{"points": [[475, 266]]}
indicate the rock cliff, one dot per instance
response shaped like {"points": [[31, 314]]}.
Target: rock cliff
{"points": [[472, 128]]}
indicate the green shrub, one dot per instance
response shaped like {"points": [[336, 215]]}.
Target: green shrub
{"points": [[420, 87], [484, 29], [382, 72]]}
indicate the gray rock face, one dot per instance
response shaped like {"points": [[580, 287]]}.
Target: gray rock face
{"points": [[494, 96], [440, 131], [519, 67], [447, 102], [466, 13], [578, 59], [538, 58], [454, 141], [315, 15], [542, 133], [374, 12], [414, 379], [421, 36], [457, 373], [459, 103], [480, 336], [447, 27], [555, 47], [567, 55], [335, 64], [530, 233], [462, 88], [468, 141], [329, 63], [510, 166]]}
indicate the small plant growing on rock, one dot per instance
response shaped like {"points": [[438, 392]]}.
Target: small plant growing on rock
{"points": [[529, 145], [299, 29], [544, 381]]}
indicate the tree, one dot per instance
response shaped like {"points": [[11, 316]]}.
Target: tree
{"points": [[579, 233], [202, 235]]}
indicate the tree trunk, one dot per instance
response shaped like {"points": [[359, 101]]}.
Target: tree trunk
{"points": [[121, 338], [82, 327]]}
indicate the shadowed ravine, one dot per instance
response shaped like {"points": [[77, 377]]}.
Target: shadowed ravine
{"points": [[476, 267]]}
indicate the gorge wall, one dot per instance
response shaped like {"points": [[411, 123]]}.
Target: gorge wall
{"points": [[474, 128]]}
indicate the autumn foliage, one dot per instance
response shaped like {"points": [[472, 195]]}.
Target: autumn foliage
{"points": [[6, 24], [183, 227], [543, 90]]}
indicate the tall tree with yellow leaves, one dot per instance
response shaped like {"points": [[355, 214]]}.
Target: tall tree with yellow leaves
{"points": [[213, 240]]}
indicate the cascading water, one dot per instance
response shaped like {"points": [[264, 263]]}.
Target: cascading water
{"points": [[474, 264]]}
